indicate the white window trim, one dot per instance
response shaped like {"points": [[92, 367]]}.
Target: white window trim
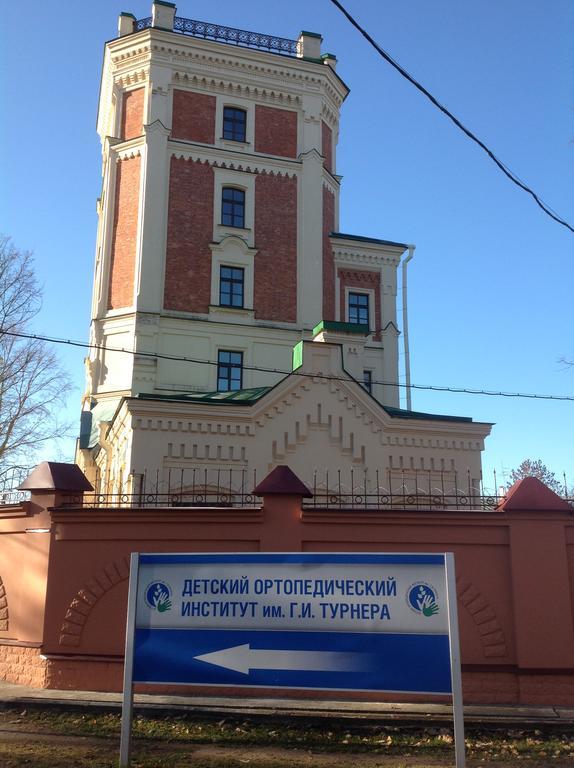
{"points": [[370, 292], [233, 252], [239, 180], [249, 108]]}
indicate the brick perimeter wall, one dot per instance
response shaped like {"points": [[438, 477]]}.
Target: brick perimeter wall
{"points": [[193, 117], [189, 233], [327, 146], [361, 280], [328, 261], [124, 237], [132, 114], [275, 289], [275, 131]]}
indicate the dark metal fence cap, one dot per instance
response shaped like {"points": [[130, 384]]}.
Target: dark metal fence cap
{"points": [[282, 480], [56, 476]]}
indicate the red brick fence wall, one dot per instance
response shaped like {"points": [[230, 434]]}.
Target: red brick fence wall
{"points": [[64, 571]]}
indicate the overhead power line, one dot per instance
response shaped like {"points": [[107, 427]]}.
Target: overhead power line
{"points": [[507, 172], [197, 361]]}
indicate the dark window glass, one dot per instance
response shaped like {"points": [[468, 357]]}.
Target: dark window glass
{"points": [[231, 280], [229, 370], [368, 381], [234, 122], [233, 207], [359, 308]]}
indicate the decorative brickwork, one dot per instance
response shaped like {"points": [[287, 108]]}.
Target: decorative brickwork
{"points": [[361, 280], [82, 604], [327, 146], [193, 117], [124, 238], [132, 113], [275, 292], [483, 615], [189, 233], [328, 262], [3, 608], [275, 131]]}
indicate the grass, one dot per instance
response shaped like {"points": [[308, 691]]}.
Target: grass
{"points": [[50, 738]]}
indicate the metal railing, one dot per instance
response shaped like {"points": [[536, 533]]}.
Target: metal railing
{"points": [[229, 35], [190, 487], [399, 489]]}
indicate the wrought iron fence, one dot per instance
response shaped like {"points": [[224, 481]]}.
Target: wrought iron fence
{"points": [[399, 489], [189, 487], [239, 37], [10, 479]]}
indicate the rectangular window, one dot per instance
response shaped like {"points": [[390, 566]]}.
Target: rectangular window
{"points": [[234, 123], [368, 381], [231, 282], [359, 308], [233, 207], [229, 370]]}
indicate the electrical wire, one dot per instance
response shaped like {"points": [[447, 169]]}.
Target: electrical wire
{"points": [[196, 361], [507, 172]]}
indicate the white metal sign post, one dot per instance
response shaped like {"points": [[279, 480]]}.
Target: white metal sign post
{"points": [[323, 621]]}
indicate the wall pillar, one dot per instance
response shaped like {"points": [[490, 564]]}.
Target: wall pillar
{"points": [[282, 493]]}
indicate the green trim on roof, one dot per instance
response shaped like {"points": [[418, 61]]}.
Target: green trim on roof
{"points": [[162, 2], [129, 15], [311, 34], [297, 355], [401, 413], [337, 327], [237, 397], [362, 239]]}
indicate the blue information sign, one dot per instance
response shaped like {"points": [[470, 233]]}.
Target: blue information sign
{"points": [[371, 622]]}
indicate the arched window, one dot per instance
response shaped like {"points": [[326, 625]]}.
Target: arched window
{"points": [[233, 207]]}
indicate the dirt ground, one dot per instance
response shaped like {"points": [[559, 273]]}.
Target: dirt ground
{"points": [[21, 746]]}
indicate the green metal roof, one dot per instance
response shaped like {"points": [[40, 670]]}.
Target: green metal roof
{"points": [[402, 413], [362, 239], [338, 327], [236, 397]]}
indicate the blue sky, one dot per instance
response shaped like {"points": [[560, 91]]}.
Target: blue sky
{"points": [[491, 285]]}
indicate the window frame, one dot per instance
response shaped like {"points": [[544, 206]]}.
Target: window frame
{"points": [[236, 206], [232, 280], [366, 308], [225, 370], [367, 382], [236, 134]]}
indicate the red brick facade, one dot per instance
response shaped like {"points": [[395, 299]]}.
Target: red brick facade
{"points": [[275, 131], [362, 281], [328, 261], [124, 237], [193, 117], [327, 146], [132, 114], [275, 290], [189, 233]]}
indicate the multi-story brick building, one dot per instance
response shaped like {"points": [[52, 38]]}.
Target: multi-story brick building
{"points": [[220, 269]]}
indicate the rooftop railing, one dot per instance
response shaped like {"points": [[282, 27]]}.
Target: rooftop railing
{"points": [[221, 34]]}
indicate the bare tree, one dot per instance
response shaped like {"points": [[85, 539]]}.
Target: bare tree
{"points": [[535, 468], [33, 385]]}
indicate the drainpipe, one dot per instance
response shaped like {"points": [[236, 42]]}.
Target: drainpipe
{"points": [[406, 327]]}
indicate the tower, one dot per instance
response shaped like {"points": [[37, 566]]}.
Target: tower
{"points": [[219, 251]]}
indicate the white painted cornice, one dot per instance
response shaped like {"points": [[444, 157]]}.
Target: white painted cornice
{"points": [[356, 254], [234, 161], [246, 90]]}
